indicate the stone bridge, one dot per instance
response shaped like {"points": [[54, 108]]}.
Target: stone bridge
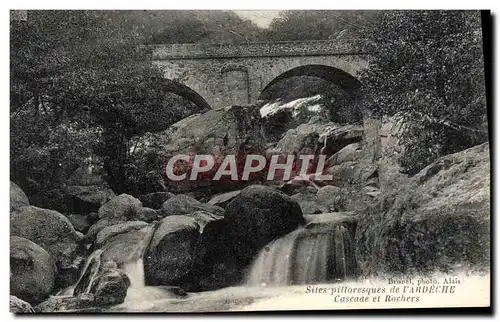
{"points": [[214, 76]]}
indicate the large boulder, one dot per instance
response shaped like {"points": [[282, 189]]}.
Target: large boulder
{"points": [[223, 199], [94, 230], [183, 204], [79, 222], [86, 199], [110, 287], [352, 173], [304, 139], [125, 243], [102, 279], [111, 231], [86, 190], [327, 195], [148, 214], [154, 200], [123, 206], [19, 306], [350, 152], [32, 270], [48, 229], [210, 227], [335, 138], [318, 137], [218, 132], [172, 251], [309, 203], [18, 198], [258, 215], [440, 220]]}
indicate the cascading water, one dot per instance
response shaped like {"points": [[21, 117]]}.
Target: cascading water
{"points": [[138, 293], [87, 277], [132, 265], [89, 274], [305, 256]]}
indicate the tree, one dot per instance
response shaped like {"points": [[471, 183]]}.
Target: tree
{"points": [[427, 68], [321, 24], [81, 83]]}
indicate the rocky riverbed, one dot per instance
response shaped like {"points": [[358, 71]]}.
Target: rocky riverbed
{"points": [[205, 242]]}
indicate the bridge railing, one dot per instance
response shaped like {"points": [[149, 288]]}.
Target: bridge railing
{"points": [[259, 49]]}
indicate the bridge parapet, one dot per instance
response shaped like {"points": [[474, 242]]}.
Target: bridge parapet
{"points": [[258, 49]]}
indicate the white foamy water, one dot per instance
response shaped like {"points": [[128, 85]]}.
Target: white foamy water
{"points": [[474, 291], [307, 102], [304, 256]]}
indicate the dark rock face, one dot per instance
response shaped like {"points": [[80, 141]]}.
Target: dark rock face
{"points": [[86, 190], [326, 196], [172, 251], [48, 229], [182, 204], [19, 306], [309, 203], [155, 200], [32, 270], [148, 214], [208, 249], [352, 173], [258, 215], [350, 152], [18, 198], [94, 230], [86, 199], [79, 222], [438, 221]]}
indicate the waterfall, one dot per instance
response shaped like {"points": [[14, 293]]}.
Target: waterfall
{"points": [[134, 267], [305, 256], [89, 274], [138, 293]]}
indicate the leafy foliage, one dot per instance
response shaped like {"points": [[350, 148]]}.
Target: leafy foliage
{"points": [[81, 83], [321, 24], [428, 69]]}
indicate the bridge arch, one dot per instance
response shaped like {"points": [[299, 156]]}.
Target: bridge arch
{"points": [[334, 75], [187, 93]]}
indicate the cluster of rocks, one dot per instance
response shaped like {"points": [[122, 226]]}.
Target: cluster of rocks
{"points": [[436, 220]]}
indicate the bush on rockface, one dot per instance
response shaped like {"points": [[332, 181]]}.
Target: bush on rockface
{"points": [[44, 155], [433, 80]]}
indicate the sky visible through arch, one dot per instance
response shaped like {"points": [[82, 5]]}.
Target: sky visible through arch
{"points": [[261, 18]]}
